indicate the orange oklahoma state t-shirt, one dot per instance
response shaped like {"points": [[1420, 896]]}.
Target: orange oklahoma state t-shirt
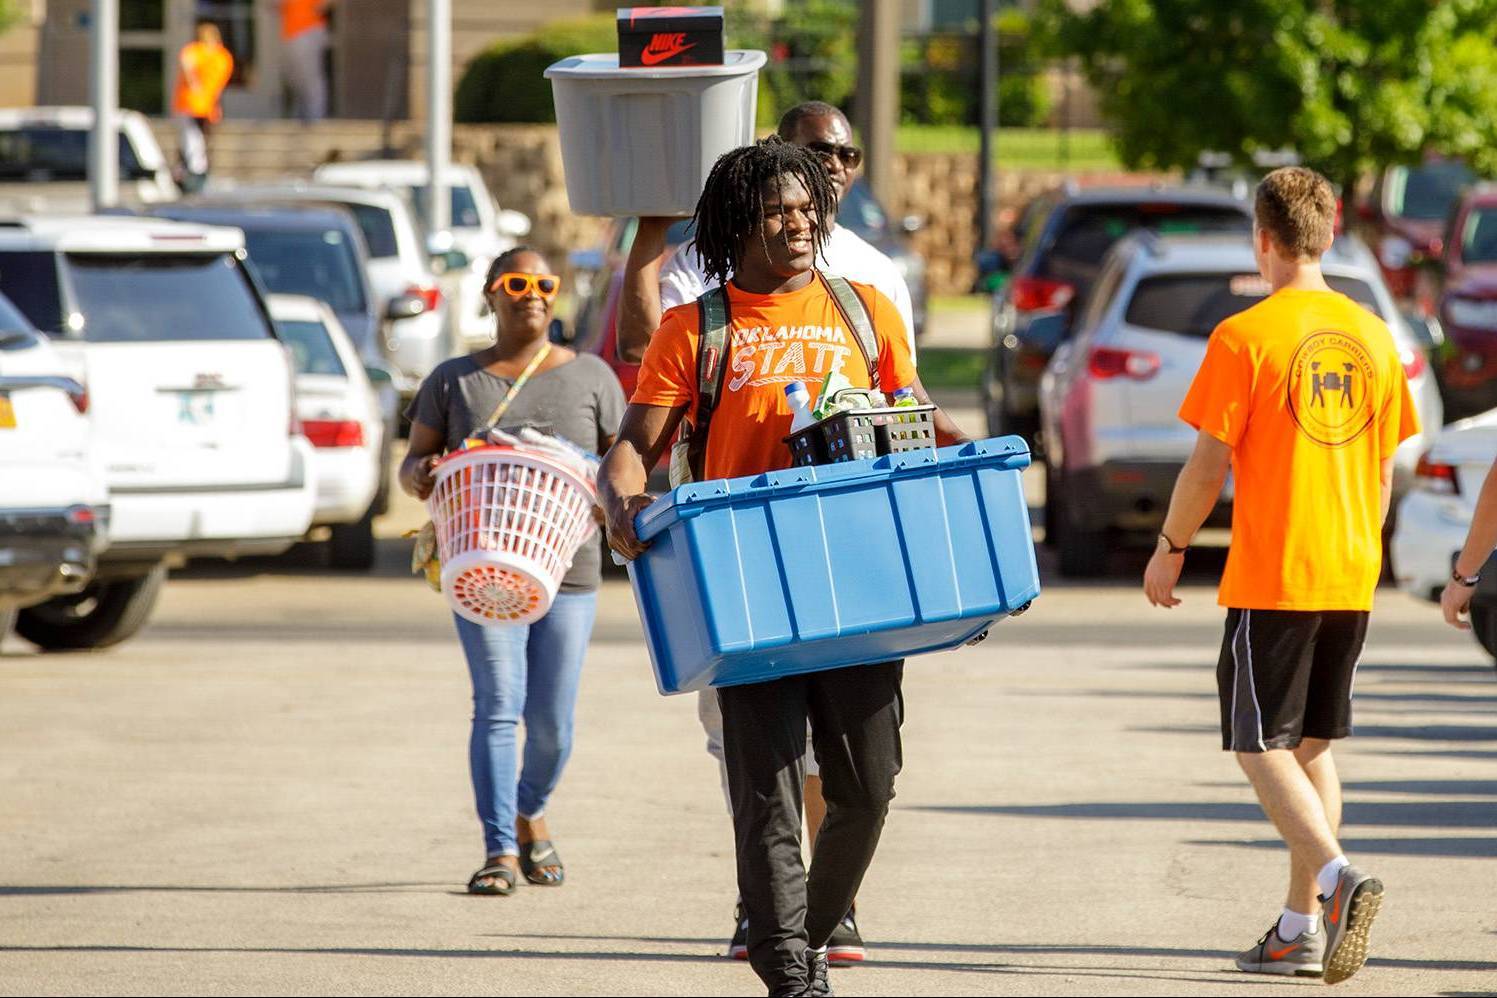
{"points": [[1308, 390], [772, 341]]}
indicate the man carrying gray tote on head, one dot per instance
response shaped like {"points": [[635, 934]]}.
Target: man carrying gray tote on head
{"points": [[650, 289]]}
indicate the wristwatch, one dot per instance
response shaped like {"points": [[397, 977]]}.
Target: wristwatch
{"points": [[1171, 545], [1469, 581]]}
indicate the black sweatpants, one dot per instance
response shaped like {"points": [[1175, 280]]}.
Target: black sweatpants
{"points": [[855, 715]]}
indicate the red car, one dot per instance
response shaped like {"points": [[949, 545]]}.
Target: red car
{"points": [[1468, 306], [1404, 220]]}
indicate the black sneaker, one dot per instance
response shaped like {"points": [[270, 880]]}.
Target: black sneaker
{"points": [[817, 973], [738, 948], [846, 945]]}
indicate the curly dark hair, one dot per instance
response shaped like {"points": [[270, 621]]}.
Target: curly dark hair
{"points": [[731, 207], [502, 262]]}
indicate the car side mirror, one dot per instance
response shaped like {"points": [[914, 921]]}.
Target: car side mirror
{"points": [[514, 224], [405, 307]]}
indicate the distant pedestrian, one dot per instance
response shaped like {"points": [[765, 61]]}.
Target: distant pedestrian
{"points": [[204, 67], [1313, 477], [304, 32], [520, 672]]}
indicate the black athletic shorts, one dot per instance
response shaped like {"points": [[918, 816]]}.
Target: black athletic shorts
{"points": [[1286, 675]]}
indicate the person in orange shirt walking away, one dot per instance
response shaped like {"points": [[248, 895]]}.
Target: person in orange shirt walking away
{"points": [[1303, 397], [204, 67], [304, 32]]}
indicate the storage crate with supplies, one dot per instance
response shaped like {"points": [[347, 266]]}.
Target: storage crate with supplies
{"points": [[857, 434], [642, 141], [812, 568]]}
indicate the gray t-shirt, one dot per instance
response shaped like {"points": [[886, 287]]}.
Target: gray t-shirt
{"points": [[580, 401]]}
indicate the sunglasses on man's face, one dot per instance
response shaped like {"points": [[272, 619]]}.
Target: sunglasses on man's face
{"points": [[850, 156], [520, 285]]}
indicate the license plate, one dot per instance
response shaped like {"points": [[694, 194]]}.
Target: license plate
{"points": [[7, 413], [195, 408]]}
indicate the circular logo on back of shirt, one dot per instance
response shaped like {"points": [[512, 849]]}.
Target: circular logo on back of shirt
{"points": [[1332, 384]]}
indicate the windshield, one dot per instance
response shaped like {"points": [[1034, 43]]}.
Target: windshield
{"points": [[462, 206], [39, 154], [316, 264], [1479, 236], [163, 296], [378, 228], [1427, 192], [1088, 231], [311, 346], [1194, 304]]}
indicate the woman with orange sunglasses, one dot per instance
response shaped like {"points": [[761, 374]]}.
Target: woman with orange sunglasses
{"points": [[529, 672]]}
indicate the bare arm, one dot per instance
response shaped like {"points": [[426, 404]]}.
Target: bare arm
{"points": [[422, 451], [1196, 493], [639, 298], [625, 472], [947, 432], [1481, 539]]}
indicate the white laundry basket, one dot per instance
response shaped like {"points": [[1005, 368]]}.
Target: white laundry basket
{"points": [[508, 521], [642, 141]]}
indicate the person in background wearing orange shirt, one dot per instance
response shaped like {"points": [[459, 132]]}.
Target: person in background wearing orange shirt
{"points": [[304, 32], [203, 70], [760, 226], [1304, 397]]}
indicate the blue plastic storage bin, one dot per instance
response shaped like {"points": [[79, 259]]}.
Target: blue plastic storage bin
{"points": [[750, 579]]}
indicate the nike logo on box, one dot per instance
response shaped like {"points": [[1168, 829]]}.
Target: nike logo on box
{"points": [[663, 47]]}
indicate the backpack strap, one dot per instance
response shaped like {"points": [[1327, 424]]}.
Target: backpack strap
{"points": [[714, 322], [855, 314]]}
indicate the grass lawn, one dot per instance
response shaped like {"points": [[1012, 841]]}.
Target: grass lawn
{"points": [[1016, 148], [945, 367], [959, 303]]}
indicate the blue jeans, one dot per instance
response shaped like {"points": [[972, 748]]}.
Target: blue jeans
{"points": [[525, 671]]}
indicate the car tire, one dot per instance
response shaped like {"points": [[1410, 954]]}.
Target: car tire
{"points": [[1082, 552], [352, 544], [1484, 626], [103, 614]]}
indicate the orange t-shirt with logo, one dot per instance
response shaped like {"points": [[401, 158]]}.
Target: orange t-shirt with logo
{"points": [[1308, 390], [773, 340], [203, 73]]}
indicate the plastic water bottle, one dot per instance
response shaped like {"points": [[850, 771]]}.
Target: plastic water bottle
{"points": [[800, 404], [905, 397]]}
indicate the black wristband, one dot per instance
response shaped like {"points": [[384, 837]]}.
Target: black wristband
{"points": [[1171, 545]]}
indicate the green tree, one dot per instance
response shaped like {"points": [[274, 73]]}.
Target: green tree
{"points": [[1351, 85], [505, 81], [813, 53]]}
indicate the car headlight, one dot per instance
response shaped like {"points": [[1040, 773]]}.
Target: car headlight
{"points": [[1471, 313], [1395, 252]]}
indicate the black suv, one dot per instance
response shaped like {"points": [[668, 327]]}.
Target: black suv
{"points": [[1065, 234]]}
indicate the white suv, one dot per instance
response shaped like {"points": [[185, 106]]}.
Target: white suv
{"points": [[1108, 401], [190, 390], [44, 160]]}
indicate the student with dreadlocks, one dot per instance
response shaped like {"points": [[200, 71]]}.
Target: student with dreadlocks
{"points": [[651, 288], [759, 227]]}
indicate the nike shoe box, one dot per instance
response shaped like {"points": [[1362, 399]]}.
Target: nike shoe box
{"points": [[670, 36]]}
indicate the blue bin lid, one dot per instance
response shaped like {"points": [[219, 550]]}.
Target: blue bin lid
{"points": [[686, 501]]}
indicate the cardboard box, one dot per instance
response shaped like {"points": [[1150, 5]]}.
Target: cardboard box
{"points": [[670, 36]]}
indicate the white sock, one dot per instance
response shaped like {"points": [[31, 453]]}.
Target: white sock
{"points": [[1293, 924], [1329, 874]]}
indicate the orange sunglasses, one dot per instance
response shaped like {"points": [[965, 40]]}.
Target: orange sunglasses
{"points": [[520, 285]]}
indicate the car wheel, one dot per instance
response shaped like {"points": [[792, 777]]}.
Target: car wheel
{"points": [[1484, 626], [1082, 552], [352, 544], [103, 614]]}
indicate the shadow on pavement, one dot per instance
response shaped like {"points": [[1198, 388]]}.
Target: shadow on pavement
{"points": [[1447, 848], [46, 890], [1394, 814]]}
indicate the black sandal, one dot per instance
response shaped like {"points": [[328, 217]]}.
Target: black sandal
{"points": [[503, 877], [534, 856]]}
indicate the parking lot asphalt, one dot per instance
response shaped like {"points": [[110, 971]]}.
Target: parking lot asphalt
{"points": [[266, 792]]}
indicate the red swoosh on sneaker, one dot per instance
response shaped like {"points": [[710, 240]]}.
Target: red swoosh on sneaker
{"points": [[656, 52], [1279, 954], [1335, 915]]}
